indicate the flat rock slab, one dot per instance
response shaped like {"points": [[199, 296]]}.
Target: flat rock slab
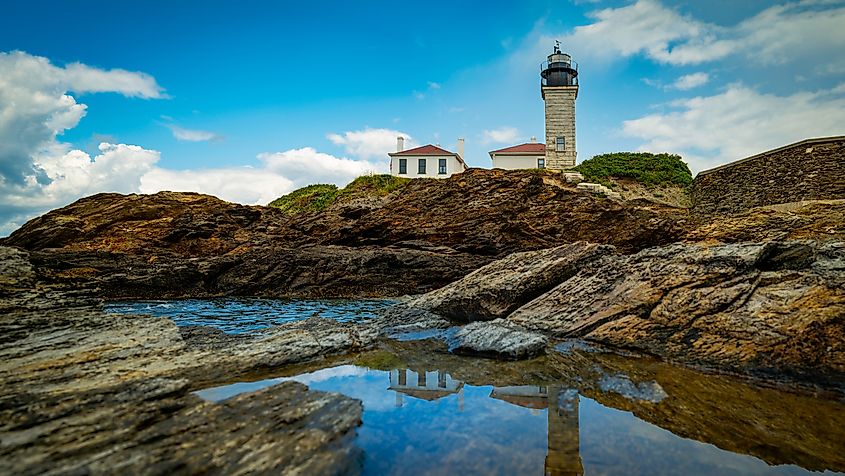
{"points": [[496, 290], [86, 392], [497, 339]]}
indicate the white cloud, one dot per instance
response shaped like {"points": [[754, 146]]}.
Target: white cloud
{"points": [[37, 172], [792, 32], [193, 135], [433, 85], [249, 185], [713, 130], [690, 81], [501, 135], [306, 165], [85, 79], [370, 143]]}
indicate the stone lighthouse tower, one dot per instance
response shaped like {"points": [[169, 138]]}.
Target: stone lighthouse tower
{"points": [[559, 87]]}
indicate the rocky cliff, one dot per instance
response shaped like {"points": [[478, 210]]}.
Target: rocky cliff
{"points": [[414, 240]]}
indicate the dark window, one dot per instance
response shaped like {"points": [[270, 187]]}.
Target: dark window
{"points": [[403, 166], [560, 145], [541, 163], [421, 167], [441, 166]]}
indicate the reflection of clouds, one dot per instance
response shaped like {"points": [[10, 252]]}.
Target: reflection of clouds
{"points": [[326, 374]]}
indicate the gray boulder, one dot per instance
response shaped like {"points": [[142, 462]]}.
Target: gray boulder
{"points": [[498, 339]]}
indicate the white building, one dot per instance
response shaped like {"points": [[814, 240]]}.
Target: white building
{"points": [[428, 161], [523, 156]]}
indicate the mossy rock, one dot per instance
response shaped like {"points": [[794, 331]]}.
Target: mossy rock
{"points": [[312, 198]]}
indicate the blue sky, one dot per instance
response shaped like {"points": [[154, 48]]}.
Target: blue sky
{"points": [[249, 100]]}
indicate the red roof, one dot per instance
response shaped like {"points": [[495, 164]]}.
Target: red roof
{"points": [[424, 150], [529, 148]]}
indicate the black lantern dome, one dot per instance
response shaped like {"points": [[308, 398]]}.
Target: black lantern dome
{"points": [[559, 70]]}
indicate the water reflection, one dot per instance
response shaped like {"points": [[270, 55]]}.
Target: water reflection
{"points": [[419, 420]]}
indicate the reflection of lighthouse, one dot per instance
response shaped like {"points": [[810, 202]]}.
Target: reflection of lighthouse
{"points": [[564, 455], [424, 385]]}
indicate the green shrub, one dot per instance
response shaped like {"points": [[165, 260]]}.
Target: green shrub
{"points": [[312, 198], [644, 167], [315, 198], [379, 185]]}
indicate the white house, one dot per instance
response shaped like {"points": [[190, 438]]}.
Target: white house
{"points": [[427, 161], [523, 156]]}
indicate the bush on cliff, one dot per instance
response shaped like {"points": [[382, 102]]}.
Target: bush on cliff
{"points": [[644, 167], [380, 185], [312, 198]]}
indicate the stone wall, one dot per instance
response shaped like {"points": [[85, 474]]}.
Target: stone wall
{"points": [[813, 169], [560, 122]]}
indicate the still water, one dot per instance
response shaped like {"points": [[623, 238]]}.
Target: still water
{"points": [[429, 422], [239, 315], [574, 411]]}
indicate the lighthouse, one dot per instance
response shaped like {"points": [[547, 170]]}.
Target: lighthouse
{"points": [[559, 88]]}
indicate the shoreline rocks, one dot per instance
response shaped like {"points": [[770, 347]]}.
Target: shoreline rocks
{"points": [[773, 309]]}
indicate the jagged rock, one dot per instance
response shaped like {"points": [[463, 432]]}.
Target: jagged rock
{"points": [[501, 287], [82, 391], [753, 307], [412, 241], [499, 339]]}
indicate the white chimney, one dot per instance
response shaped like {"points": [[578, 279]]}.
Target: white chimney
{"points": [[461, 147], [533, 139], [400, 144]]}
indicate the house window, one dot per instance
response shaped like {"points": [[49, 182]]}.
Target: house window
{"points": [[441, 166], [541, 163], [403, 166], [560, 144], [421, 167]]}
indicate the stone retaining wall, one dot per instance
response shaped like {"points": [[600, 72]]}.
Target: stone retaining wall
{"points": [[813, 169]]}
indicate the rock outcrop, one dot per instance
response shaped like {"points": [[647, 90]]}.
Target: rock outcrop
{"points": [[82, 391], [499, 339], [501, 287], [412, 241], [759, 308]]}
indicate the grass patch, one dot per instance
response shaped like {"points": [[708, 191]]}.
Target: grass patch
{"points": [[644, 167], [312, 198], [379, 185], [379, 360], [315, 198]]}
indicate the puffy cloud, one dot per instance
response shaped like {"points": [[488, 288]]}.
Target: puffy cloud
{"points": [[249, 185], [193, 135], [501, 135], [690, 81], [370, 143], [279, 173], [306, 165], [74, 174], [37, 172], [81, 78], [712, 130]]}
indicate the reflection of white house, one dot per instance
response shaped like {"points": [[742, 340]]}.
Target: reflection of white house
{"points": [[423, 385], [528, 396], [523, 156], [427, 161]]}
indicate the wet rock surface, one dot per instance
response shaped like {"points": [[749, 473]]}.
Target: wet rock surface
{"points": [[503, 286], [82, 391], [498, 339], [773, 308]]}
